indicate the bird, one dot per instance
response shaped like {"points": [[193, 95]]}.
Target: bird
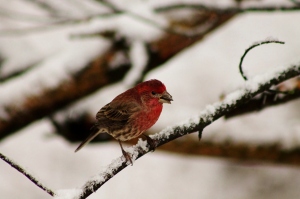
{"points": [[131, 113]]}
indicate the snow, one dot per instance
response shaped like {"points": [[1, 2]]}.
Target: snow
{"points": [[142, 144], [195, 78], [138, 56], [51, 72], [119, 59], [66, 193]]}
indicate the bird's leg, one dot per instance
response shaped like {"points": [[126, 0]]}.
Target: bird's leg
{"points": [[125, 154], [151, 142]]}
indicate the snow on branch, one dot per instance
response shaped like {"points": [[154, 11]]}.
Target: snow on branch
{"points": [[211, 113]]}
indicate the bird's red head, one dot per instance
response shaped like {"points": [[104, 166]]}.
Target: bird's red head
{"points": [[154, 90]]}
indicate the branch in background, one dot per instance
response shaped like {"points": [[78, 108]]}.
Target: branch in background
{"points": [[44, 5], [53, 25], [206, 117], [95, 76], [296, 2], [228, 10], [266, 153], [116, 11], [26, 174], [16, 73], [78, 128]]}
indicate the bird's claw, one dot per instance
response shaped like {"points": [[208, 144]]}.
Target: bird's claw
{"points": [[152, 143], [127, 157]]}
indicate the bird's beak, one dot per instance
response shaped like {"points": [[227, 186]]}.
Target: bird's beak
{"points": [[165, 98]]}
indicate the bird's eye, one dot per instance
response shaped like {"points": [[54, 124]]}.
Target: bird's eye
{"points": [[153, 93]]}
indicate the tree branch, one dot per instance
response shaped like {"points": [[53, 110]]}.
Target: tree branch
{"points": [[264, 101], [26, 174], [231, 10], [267, 152], [95, 75], [250, 48], [211, 113]]}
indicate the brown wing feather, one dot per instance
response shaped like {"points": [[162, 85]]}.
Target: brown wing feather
{"points": [[114, 116]]}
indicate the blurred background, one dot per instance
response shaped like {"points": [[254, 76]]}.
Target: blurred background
{"points": [[62, 60]]}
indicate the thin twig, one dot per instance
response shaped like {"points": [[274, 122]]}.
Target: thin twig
{"points": [[250, 48], [26, 174], [221, 10]]}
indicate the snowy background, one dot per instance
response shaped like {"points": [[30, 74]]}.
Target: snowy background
{"points": [[195, 78]]}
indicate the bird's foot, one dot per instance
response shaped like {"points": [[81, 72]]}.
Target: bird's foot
{"points": [[127, 157], [152, 143], [125, 154]]}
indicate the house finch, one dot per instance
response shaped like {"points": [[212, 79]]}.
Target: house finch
{"points": [[131, 113]]}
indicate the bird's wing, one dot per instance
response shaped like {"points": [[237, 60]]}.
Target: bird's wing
{"points": [[117, 112], [113, 117]]}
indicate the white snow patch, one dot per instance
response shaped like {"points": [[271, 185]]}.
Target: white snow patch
{"points": [[144, 23], [50, 73], [139, 29], [139, 58], [143, 144], [165, 133], [232, 97], [133, 152], [67, 193], [106, 171], [119, 59], [208, 112], [144, 26]]}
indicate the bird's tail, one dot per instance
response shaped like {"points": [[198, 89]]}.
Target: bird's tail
{"points": [[88, 139]]}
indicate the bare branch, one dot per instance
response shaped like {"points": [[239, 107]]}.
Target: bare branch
{"points": [[265, 153], [231, 10], [206, 117], [26, 174]]}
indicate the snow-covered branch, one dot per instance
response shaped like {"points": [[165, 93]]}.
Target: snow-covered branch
{"points": [[211, 113], [264, 101]]}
